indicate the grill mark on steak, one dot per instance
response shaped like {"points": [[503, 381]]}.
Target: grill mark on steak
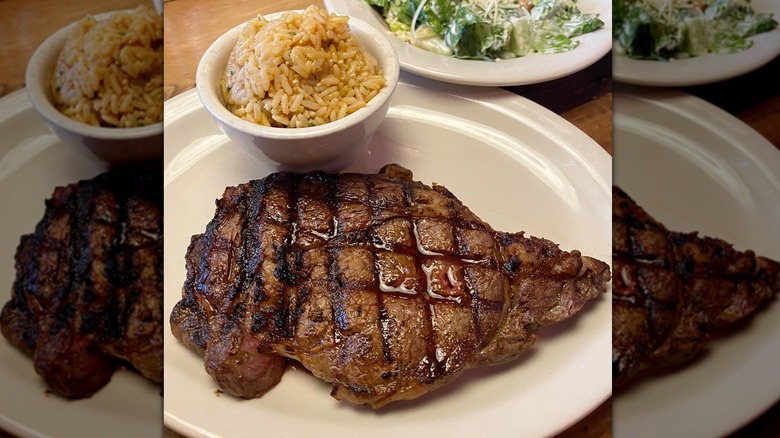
{"points": [[383, 286], [384, 316], [253, 280]]}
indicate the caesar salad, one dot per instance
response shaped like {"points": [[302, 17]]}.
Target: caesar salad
{"points": [[488, 29], [678, 29]]}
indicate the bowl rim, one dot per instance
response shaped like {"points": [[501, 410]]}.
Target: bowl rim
{"points": [[36, 72], [212, 100]]}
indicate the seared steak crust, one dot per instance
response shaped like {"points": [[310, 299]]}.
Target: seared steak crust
{"points": [[671, 290], [88, 290], [381, 285]]}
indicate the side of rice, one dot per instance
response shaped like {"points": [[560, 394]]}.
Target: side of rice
{"points": [[110, 72], [302, 69]]}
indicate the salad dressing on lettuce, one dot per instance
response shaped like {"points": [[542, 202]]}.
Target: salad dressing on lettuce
{"points": [[488, 29], [668, 29]]}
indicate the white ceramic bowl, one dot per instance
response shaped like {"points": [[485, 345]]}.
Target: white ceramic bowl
{"points": [[328, 147], [114, 146]]}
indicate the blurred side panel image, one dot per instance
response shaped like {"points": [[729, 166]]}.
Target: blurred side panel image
{"points": [[696, 208], [81, 244]]}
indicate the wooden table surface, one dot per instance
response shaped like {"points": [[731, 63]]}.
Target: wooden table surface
{"points": [[584, 98]]}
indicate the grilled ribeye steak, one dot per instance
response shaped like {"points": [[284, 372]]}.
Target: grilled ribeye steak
{"points": [[672, 290], [88, 291], [381, 285]]}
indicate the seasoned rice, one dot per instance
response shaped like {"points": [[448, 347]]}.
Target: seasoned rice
{"points": [[110, 72], [302, 69]]}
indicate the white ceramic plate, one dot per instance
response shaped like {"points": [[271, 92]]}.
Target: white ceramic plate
{"points": [[530, 69], [706, 68], [695, 167], [32, 163], [514, 163]]}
